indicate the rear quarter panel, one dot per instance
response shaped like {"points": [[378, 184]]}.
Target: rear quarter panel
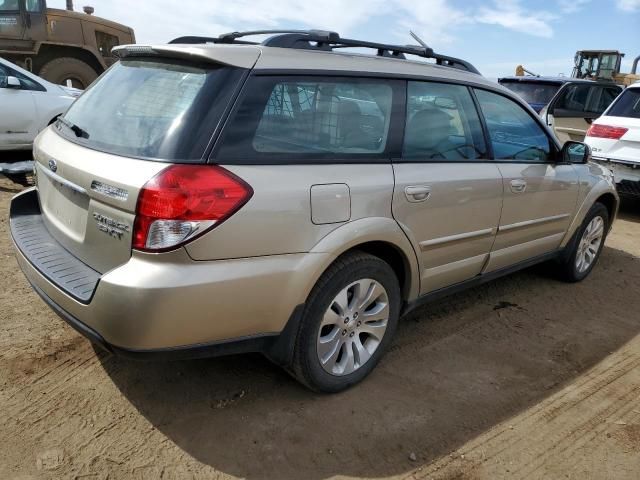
{"points": [[278, 219]]}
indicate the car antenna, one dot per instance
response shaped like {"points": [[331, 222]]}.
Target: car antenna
{"points": [[418, 39]]}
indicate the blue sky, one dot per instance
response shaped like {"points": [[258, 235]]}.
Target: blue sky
{"points": [[495, 35]]}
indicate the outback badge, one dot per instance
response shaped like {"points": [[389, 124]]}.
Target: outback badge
{"points": [[111, 227]]}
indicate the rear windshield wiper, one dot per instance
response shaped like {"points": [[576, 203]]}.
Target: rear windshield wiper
{"points": [[81, 133]]}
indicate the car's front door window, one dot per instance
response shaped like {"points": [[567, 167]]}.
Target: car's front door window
{"points": [[514, 134]]}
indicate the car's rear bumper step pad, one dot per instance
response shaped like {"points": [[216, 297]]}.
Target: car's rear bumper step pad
{"points": [[50, 258]]}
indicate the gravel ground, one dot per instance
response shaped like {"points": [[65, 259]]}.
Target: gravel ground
{"points": [[525, 377]]}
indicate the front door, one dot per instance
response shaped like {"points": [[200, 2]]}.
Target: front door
{"points": [[540, 193], [447, 196]]}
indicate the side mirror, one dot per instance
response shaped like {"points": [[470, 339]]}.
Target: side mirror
{"points": [[576, 152], [13, 83]]}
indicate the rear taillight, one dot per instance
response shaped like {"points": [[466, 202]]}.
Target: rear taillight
{"points": [[183, 202], [606, 131]]}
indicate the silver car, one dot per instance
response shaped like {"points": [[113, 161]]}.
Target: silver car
{"points": [[217, 196]]}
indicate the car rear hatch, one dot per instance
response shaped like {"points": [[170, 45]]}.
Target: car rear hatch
{"points": [[143, 115], [623, 136], [621, 127]]}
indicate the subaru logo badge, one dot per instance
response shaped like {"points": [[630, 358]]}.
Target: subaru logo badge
{"points": [[53, 165]]}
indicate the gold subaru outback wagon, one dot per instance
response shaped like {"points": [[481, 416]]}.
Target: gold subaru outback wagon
{"points": [[215, 196]]}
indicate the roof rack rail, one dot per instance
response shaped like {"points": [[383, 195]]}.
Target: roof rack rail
{"points": [[329, 41]]}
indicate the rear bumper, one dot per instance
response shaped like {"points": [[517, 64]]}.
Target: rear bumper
{"points": [[278, 347], [157, 304]]}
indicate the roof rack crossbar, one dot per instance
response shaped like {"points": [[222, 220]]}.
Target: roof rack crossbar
{"points": [[328, 41]]}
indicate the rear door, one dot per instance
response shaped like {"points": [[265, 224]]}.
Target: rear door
{"points": [[576, 105], [447, 196], [540, 194]]}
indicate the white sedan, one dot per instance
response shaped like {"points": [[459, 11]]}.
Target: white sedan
{"points": [[614, 139], [28, 105]]}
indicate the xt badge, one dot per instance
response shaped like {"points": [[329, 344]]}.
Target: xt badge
{"points": [[111, 227]]}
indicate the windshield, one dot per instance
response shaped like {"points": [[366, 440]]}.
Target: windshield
{"points": [[627, 104], [149, 108], [533, 92]]}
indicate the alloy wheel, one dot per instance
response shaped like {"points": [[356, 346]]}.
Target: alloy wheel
{"points": [[353, 327], [590, 244]]}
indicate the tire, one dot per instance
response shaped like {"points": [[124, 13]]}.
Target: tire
{"points": [[571, 270], [59, 70], [333, 301]]}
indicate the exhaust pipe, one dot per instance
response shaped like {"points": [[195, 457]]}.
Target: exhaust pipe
{"points": [[634, 69], [70, 5]]}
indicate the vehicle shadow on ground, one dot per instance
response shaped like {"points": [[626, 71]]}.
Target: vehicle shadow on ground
{"points": [[630, 209], [456, 368]]}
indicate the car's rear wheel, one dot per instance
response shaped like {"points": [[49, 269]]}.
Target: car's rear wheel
{"points": [[587, 245], [348, 322]]}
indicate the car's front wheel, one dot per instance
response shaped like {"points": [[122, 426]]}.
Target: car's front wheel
{"points": [[586, 247], [349, 320]]}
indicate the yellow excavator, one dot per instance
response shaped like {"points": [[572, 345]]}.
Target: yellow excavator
{"points": [[598, 65]]}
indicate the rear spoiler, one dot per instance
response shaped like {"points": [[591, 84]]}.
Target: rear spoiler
{"points": [[220, 54]]}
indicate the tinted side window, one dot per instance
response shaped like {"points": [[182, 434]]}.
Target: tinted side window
{"points": [[307, 118], [574, 98], [514, 134], [442, 123], [604, 99]]}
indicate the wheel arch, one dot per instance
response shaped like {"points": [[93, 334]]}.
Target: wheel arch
{"points": [[381, 237], [602, 192], [610, 201], [51, 51]]}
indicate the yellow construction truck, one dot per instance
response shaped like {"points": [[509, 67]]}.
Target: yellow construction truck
{"points": [[598, 65], [63, 46], [604, 65]]}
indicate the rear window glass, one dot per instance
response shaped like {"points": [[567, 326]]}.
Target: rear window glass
{"points": [[153, 109], [533, 92], [627, 105], [296, 117]]}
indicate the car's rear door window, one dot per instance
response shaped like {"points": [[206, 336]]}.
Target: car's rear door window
{"points": [[627, 105], [584, 100], [514, 134], [442, 124], [282, 119]]}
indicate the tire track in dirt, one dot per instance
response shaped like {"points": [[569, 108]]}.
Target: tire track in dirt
{"points": [[535, 439]]}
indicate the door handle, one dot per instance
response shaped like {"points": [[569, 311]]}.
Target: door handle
{"points": [[518, 186], [418, 193]]}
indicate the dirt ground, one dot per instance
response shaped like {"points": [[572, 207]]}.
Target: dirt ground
{"points": [[525, 377]]}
